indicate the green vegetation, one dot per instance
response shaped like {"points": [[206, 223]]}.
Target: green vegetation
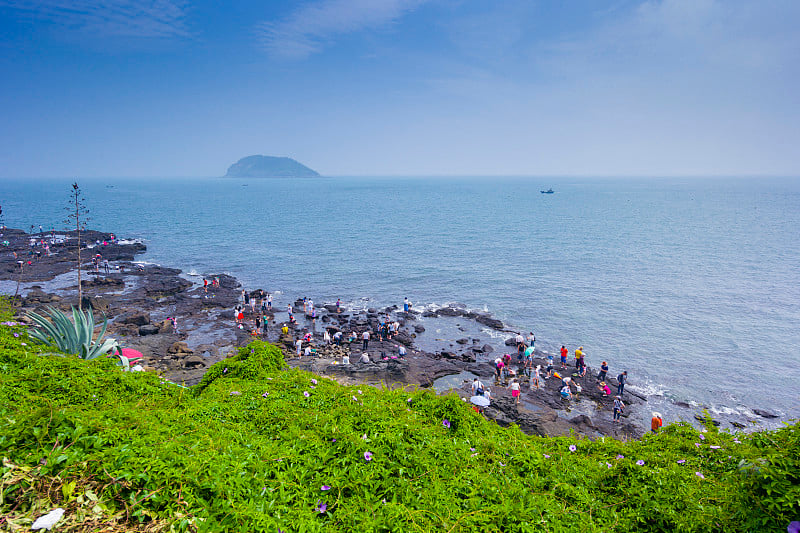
{"points": [[74, 337], [259, 447]]}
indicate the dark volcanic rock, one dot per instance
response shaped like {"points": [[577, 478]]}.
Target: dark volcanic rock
{"points": [[763, 413], [136, 318], [148, 329], [489, 321]]}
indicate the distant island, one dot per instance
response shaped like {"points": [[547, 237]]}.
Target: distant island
{"points": [[265, 166]]}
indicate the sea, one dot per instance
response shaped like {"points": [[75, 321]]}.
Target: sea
{"points": [[692, 285]]}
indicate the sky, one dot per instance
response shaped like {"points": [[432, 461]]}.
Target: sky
{"points": [[156, 88]]}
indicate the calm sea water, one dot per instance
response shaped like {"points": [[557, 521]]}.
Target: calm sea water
{"points": [[691, 285]]}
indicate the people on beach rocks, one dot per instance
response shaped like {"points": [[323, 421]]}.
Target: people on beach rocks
{"points": [[364, 358], [477, 387], [564, 353]]}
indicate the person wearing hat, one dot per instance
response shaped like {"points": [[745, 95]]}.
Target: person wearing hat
{"points": [[656, 422], [618, 408]]}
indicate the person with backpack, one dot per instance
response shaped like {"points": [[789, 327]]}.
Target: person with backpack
{"points": [[477, 387], [618, 408]]}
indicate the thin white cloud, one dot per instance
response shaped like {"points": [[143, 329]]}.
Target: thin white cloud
{"points": [[311, 28], [118, 18]]}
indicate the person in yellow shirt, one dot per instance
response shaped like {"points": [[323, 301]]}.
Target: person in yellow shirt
{"points": [[285, 329], [579, 358]]}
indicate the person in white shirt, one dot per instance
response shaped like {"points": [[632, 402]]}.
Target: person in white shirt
{"points": [[364, 358], [299, 345], [365, 339], [477, 387]]}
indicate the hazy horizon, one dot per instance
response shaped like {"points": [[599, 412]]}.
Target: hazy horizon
{"points": [[401, 88]]}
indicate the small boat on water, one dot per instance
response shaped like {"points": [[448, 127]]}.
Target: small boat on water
{"points": [[548, 191]]}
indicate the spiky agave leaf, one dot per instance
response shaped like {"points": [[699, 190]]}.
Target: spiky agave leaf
{"points": [[76, 336]]}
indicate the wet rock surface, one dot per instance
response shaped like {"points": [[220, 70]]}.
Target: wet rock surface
{"points": [[182, 329]]}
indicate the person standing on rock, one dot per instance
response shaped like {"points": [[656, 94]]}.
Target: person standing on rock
{"points": [[477, 387], [269, 301], [622, 379], [536, 377], [326, 337], [498, 369], [289, 308], [578, 357], [205, 286], [299, 345], [515, 390], [365, 341], [258, 323], [618, 408], [405, 305], [550, 365], [338, 305], [564, 353], [601, 376]]}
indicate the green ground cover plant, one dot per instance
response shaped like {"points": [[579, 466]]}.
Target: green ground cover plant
{"points": [[260, 447]]}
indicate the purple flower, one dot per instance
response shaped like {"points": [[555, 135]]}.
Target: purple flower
{"points": [[502, 464], [368, 456], [572, 447], [681, 461], [265, 394], [269, 379], [333, 440], [313, 387], [306, 394], [446, 423], [736, 441], [715, 447], [23, 344], [794, 527], [608, 465], [473, 454], [472, 449], [546, 456], [324, 487], [314, 381], [702, 437], [620, 456], [697, 444], [700, 475], [409, 400], [354, 398], [321, 507], [640, 462], [359, 391], [225, 371], [16, 334]]}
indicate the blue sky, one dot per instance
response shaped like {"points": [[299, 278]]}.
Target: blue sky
{"points": [[400, 87]]}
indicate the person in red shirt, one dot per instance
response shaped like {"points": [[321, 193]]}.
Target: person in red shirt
{"points": [[656, 423], [564, 353]]}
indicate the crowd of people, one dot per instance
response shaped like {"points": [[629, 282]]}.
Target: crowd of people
{"points": [[569, 388]]}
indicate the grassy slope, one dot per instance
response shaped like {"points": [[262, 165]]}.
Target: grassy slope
{"points": [[136, 453]]}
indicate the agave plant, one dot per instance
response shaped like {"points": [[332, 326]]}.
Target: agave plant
{"points": [[76, 336]]}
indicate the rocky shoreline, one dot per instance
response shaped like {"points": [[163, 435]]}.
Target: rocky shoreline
{"points": [[140, 301]]}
